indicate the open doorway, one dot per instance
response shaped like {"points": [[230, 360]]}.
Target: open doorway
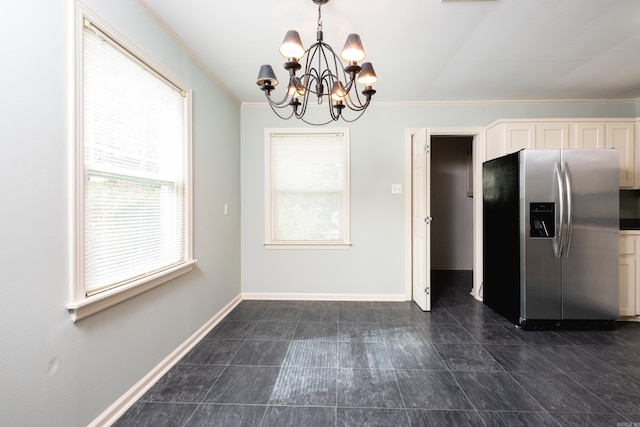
{"points": [[451, 176], [419, 219]]}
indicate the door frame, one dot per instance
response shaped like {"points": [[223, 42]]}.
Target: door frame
{"points": [[478, 152]]}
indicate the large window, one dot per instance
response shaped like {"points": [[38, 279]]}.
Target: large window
{"points": [[132, 182], [307, 188]]}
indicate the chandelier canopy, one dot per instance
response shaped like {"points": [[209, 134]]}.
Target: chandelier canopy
{"points": [[324, 76]]}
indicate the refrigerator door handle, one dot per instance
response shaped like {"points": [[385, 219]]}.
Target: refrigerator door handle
{"points": [[557, 248], [567, 184]]}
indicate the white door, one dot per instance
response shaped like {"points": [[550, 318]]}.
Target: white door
{"points": [[421, 219]]}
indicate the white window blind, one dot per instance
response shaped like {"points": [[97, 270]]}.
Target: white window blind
{"points": [[135, 197], [309, 196]]}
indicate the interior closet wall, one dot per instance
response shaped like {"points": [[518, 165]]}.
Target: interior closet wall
{"points": [[451, 207]]}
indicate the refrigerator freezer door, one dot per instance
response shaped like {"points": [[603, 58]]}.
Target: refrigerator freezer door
{"points": [[540, 269], [591, 270]]}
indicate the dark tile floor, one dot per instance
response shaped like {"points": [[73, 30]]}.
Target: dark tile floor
{"points": [[284, 363]]}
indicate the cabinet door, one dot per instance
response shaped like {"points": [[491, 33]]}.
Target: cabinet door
{"points": [[627, 276], [587, 135], [620, 135], [552, 135], [519, 136]]}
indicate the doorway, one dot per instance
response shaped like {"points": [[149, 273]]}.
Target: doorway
{"points": [[462, 149]]}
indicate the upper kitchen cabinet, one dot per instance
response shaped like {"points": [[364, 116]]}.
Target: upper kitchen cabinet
{"points": [[508, 136]]}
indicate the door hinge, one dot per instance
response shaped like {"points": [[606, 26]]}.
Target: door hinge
{"points": [[427, 290], [427, 148]]}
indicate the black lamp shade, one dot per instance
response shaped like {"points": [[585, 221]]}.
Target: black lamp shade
{"points": [[266, 74]]}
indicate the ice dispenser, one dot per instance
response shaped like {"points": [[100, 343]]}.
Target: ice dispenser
{"points": [[542, 220]]}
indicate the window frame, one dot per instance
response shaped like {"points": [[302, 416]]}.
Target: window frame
{"points": [[80, 304], [345, 243]]}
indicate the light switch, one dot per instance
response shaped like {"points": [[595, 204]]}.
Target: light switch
{"points": [[396, 188]]}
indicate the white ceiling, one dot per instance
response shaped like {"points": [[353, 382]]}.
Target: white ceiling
{"points": [[429, 50]]}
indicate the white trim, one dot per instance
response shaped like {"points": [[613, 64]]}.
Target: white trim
{"points": [[322, 297], [80, 305], [479, 150], [269, 243], [120, 406], [480, 102]]}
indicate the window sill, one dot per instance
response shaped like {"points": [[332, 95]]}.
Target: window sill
{"points": [[91, 305], [311, 245]]}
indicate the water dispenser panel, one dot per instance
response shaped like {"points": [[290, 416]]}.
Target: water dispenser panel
{"points": [[542, 220]]}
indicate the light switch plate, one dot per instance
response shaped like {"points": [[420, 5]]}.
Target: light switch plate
{"points": [[396, 188]]}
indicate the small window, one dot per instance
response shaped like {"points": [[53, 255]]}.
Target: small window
{"points": [[132, 181], [307, 188]]}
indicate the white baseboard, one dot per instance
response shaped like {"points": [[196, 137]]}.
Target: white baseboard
{"points": [[323, 297], [120, 406]]}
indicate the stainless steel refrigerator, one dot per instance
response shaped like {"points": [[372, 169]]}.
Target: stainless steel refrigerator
{"points": [[551, 226]]}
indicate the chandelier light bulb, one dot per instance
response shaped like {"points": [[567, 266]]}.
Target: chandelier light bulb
{"points": [[291, 46], [353, 50]]}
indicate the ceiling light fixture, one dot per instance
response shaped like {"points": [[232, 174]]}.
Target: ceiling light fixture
{"points": [[324, 76]]}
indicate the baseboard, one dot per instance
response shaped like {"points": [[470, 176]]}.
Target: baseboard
{"points": [[119, 407], [323, 297]]}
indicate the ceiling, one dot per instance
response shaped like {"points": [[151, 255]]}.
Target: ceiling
{"points": [[428, 50]]}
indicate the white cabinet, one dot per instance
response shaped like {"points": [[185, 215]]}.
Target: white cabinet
{"points": [[628, 274], [620, 135], [504, 137]]}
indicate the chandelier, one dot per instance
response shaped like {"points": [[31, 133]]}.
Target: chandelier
{"points": [[325, 77]]}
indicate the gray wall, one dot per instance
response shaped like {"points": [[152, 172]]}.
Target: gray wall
{"points": [[54, 372], [451, 208], [376, 262]]}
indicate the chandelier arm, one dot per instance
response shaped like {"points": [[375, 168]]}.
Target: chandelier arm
{"points": [[280, 115]]}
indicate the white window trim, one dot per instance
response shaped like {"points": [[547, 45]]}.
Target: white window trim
{"points": [[80, 305], [268, 242]]}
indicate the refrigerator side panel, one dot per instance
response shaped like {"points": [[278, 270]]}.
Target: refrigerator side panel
{"points": [[501, 265], [541, 271], [591, 269]]}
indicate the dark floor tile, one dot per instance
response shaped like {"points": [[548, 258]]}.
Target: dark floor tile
{"points": [[370, 417], [292, 416], [357, 315], [248, 310], [412, 355], [265, 330], [211, 352], [310, 354], [557, 392], [619, 391], [316, 331], [573, 358], [359, 332], [319, 314], [518, 419], [183, 383], [282, 314], [447, 334], [231, 330], [244, 385], [305, 387], [520, 358], [440, 418], [592, 420], [148, 414], [495, 391], [369, 355], [402, 333], [536, 338], [467, 357], [434, 316], [431, 390], [623, 358], [261, 353], [297, 304], [626, 333], [403, 316], [586, 337], [493, 334], [368, 388], [227, 416]]}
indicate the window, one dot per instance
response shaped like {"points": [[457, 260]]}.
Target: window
{"points": [[132, 183], [307, 188]]}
